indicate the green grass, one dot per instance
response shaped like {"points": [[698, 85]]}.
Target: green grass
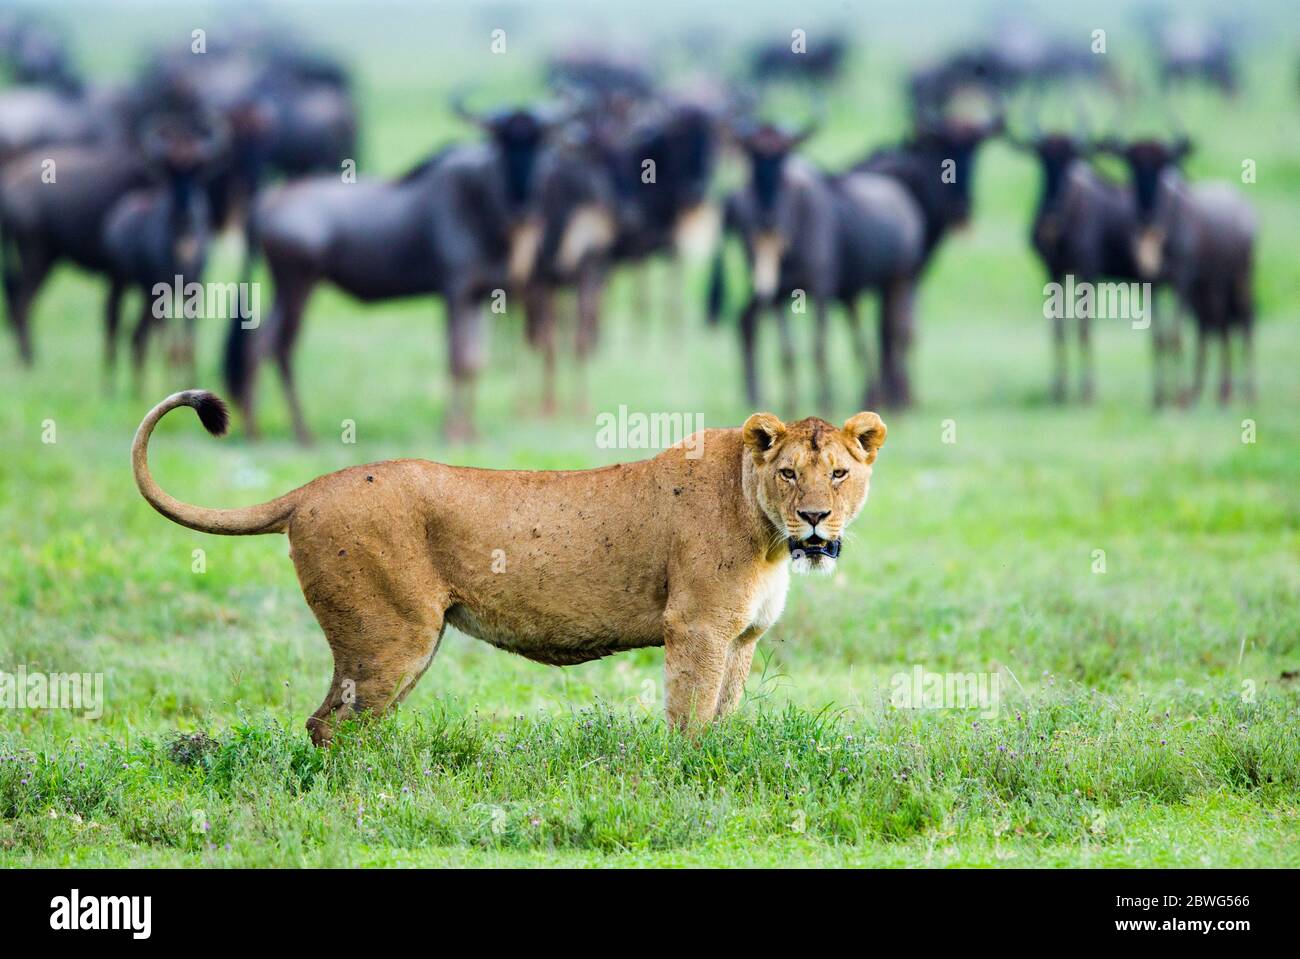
{"points": [[1147, 715]]}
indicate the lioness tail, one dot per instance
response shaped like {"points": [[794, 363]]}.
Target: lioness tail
{"points": [[271, 517]]}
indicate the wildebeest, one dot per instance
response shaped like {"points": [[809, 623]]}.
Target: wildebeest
{"points": [[59, 204], [1083, 227], [1017, 55], [38, 116], [937, 167], [1198, 238], [1196, 51], [35, 53], [289, 111], [460, 225], [821, 61], [824, 237], [157, 238], [623, 192]]}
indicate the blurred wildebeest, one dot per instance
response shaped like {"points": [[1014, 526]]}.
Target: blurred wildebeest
{"points": [[38, 116], [623, 193], [34, 53], [289, 112], [157, 237], [461, 225], [1198, 238], [826, 237], [937, 166], [1083, 227], [1196, 51], [135, 217], [600, 75], [1017, 55], [821, 62]]}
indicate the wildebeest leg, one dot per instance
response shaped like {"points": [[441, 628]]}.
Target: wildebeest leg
{"points": [[1242, 316], [825, 397], [881, 391], [591, 285], [21, 286], [1248, 361], [787, 359], [895, 332], [540, 326], [1193, 393], [1086, 388], [641, 303], [861, 344], [901, 316], [1158, 319], [292, 293], [112, 322], [466, 352], [140, 343], [1058, 359], [676, 299], [1225, 366], [251, 239], [748, 345]]}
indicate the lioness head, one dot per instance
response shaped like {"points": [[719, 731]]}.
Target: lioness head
{"points": [[813, 479]]}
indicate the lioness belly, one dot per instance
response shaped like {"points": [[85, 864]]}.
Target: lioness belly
{"points": [[554, 640]]}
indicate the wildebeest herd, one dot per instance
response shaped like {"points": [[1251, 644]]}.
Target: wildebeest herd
{"points": [[609, 168]]}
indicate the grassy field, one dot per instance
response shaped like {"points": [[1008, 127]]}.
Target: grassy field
{"points": [[1149, 712]]}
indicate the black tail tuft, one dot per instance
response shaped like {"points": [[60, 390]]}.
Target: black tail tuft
{"points": [[212, 411]]}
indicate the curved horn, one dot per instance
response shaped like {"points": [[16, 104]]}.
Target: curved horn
{"points": [[461, 110]]}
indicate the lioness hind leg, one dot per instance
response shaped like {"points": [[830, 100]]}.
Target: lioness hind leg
{"points": [[379, 656]]}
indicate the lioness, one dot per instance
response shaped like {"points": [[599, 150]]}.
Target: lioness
{"points": [[692, 554]]}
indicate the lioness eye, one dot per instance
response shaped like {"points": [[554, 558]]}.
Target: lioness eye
{"points": [[839, 474], [787, 474]]}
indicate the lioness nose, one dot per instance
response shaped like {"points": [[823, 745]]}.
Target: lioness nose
{"points": [[813, 518]]}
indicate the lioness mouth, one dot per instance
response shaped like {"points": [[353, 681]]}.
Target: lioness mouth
{"points": [[814, 546]]}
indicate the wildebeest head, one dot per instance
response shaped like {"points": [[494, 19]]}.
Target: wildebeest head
{"points": [[1055, 152], [1148, 160], [186, 151], [517, 134], [768, 147], [952, 144]]}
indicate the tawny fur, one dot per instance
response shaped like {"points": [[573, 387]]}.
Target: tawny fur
{"points": [[688, 553]]}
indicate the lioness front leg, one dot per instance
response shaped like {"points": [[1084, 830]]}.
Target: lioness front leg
{"points": [[695, 660], [740, 657]]}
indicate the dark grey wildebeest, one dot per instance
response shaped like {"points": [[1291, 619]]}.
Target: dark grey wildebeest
{"points": [[461, 225], [57, 205], [1199, 238], [1082, 228], [821, 238]]}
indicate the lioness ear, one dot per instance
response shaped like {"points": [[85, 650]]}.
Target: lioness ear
{"points": [[762, 431], [867, 431]]}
